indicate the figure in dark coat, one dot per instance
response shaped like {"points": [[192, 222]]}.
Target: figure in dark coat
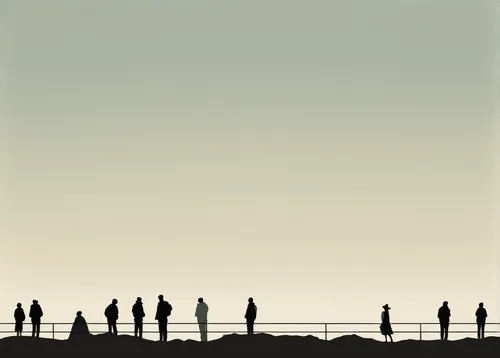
{"points": [[444, 314], [19, 316], [80, 327], [36, 315], [111, 314], [138, 313], [250, 315], [163, 310], [385, 326], [481, 315]]}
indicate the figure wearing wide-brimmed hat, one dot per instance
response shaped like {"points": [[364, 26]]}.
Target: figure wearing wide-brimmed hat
{"points": [[385, 326]]}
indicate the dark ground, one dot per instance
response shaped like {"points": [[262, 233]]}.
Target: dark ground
{"points": [[242, 346]]}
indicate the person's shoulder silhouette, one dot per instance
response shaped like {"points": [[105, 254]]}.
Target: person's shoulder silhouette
{"points": [[111, 311], [19, 315], [444, 312], [251, 312], [163, 309], [138, 308], [481, 313], [36, 310], [201, 309]]}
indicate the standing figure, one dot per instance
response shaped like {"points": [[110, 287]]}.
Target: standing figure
{"points": [[163, 310], [444, 314], [138, 313], [385, 326], [201, 314], [111, 314], [481, 315], [80, 327], [36, 314], [19, 316], [250, 315]]}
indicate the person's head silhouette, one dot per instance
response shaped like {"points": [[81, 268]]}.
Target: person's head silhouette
{"points": [[160, 297], [200, 300], [250, 300], [445, 303], [115, 301], [35, 302], [139, 299], [481, 305], [79, 313], [19, 305]]}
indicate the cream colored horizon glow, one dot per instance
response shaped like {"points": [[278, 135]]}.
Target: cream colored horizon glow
{"points": [[324, 158]]}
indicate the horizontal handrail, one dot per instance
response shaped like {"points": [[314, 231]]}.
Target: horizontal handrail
{"points": [[308, 331], [264, 323], [325, 331]]}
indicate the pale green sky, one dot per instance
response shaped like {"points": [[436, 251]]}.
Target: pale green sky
{"points": [[330, 155]]}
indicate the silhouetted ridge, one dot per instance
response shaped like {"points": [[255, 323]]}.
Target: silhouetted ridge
{"points": [[244, 346]]}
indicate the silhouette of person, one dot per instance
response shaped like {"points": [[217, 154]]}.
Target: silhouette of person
{"points": [[201, 314], [80, 327], [250, 315], [385, 326], [138, 313], [481, 315], [36, 314], [444, 315], [163, 310], [19, 316], [111, 314]]}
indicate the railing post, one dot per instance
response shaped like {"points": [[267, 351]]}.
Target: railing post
{"points": [[326, 331], [420, 324], [53, 331]]}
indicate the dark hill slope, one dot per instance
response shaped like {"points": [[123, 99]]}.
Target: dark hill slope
{"points": [[257, 346]]}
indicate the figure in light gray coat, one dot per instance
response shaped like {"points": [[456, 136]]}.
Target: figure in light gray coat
{"points": [[201, 314]]}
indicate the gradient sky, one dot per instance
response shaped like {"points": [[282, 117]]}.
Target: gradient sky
{"points": [[324, 157]]}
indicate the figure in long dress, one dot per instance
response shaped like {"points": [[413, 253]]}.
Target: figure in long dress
{"points": [[385, 326], [19, 316], [80, 327]]}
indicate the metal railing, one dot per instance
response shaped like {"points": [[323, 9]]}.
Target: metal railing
{"points": [[322, 330]]}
